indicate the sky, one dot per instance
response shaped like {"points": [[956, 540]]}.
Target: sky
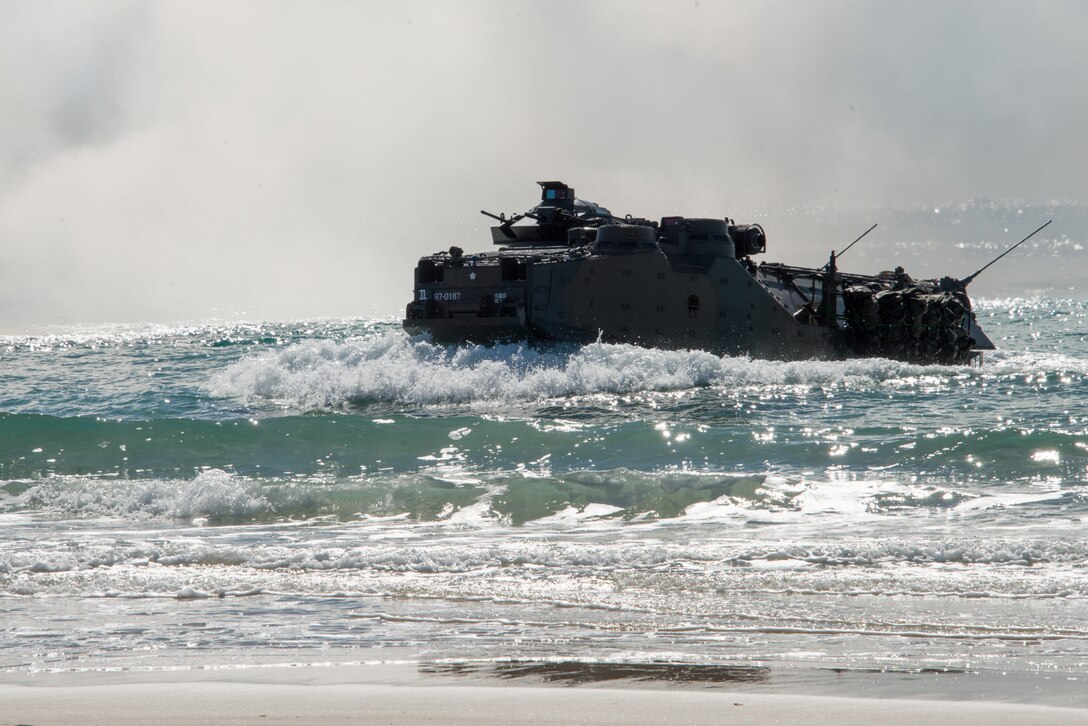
{"points": [[180, 160]]}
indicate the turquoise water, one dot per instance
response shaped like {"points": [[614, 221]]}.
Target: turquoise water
{"points": [[335, 491]]}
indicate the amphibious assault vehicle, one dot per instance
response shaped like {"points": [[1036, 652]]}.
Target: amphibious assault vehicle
{"points": [[581, 274]]}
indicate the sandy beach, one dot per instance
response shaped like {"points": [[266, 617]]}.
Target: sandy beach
{"points": [[294, 696], [234, 703]]}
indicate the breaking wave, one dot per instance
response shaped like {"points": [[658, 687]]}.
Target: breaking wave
{"points": [[218, 497], [559, 500], [394, 369]]}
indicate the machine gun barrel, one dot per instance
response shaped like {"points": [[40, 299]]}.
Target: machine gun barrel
{"points": [[498, 218], [504, 223], [970, 278]]}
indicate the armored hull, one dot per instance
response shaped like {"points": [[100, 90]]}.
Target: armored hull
{"points": [[581, 274]]}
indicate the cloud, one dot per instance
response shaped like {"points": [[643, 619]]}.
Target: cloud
{"points": [[185, 159]]}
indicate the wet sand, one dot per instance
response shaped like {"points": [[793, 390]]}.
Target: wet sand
{"points": [[301, 696]]}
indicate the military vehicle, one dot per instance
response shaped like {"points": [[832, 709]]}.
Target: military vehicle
{"points": [[580, 274]]}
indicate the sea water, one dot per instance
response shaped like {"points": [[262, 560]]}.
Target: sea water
{"points": [[223, 495]]}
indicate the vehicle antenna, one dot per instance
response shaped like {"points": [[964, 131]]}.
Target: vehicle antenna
{"points": [[840, 254], [970, 278]]}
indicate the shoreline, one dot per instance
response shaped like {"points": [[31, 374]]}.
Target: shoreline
{"points": [[396, 694]]}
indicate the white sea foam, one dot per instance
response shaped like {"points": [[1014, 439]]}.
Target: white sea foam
{"points": [[394, 508], [212, 494], [187, 567], [394, 368]]}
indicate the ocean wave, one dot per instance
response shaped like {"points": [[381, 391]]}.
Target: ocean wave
{"points": [[393, 369], [211, 496], [329, 375], [692, 435], [541, 501], [959, 566], [219, 497]]}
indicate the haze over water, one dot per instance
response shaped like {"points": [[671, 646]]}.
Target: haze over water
{"points": [[271, 161]]}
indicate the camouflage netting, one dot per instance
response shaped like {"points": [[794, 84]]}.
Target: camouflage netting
{"points": [[912, 324]]}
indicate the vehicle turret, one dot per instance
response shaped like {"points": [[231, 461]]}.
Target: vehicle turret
{"points": [[558, 212]]}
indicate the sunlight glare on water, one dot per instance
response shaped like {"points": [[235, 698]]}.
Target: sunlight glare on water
{"points": [[363, 490]]}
